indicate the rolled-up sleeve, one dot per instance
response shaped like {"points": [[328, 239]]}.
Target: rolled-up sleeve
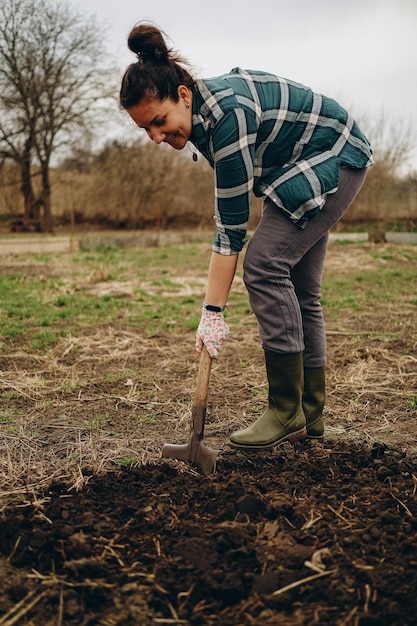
{"points": [[233, 145]]}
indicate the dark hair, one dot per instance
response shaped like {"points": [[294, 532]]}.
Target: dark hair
{"points": [[158, 72]]}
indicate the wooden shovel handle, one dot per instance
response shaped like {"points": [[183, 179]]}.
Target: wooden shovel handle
{"points": [[203, 379], [195, 451]]}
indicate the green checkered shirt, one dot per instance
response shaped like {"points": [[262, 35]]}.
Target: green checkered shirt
{"points": [[272, 137]]}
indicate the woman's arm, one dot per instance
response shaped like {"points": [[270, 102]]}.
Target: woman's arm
{"points": [[212, 330], [220, 277]]}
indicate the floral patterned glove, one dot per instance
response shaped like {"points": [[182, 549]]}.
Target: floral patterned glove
{"points": [[212, 332]]}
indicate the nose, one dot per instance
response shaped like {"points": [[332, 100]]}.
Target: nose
{"points": [[157, 136]]}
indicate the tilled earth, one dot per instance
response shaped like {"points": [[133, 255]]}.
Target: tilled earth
{"points": [[313, 535], [97, 529]]}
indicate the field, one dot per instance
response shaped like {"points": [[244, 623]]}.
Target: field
{"points": [[97, 372]]}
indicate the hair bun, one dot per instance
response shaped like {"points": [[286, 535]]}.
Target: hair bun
{"points": [[159, 69], [152, 54], [147, 42]]}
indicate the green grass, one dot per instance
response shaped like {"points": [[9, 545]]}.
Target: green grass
{"points": [[366, 289], [44, 306], [360, 291], [43, 310]]}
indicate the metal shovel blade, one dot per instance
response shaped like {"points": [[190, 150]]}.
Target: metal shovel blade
{"points": [[195, 451]]}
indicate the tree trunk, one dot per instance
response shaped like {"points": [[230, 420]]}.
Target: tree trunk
{"points": [[31, 206], [47, 219]]}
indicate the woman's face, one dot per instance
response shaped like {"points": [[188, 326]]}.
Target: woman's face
{"points": [[165, 120]]}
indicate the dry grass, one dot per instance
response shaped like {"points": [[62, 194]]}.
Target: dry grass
{"points": [[111, 398]]}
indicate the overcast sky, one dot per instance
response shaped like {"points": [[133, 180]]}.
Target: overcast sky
{"points": [[361, 52]]}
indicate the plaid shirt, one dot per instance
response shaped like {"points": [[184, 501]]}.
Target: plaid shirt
{"points": [[272, 137]]}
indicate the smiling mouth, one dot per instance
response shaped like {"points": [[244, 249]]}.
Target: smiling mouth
{"points": [[172, 139]]}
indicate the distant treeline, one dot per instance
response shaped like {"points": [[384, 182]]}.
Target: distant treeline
{"points": [[141, 185]]}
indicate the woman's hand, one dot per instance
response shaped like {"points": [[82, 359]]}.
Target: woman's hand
{"points": [[212, 332]]}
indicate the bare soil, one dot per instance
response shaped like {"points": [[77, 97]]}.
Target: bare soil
{"points": [[97, 529]]}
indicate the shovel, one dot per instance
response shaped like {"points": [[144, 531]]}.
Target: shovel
{"points": [[195, 451]]}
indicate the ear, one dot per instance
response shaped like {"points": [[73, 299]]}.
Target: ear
{"points": [[184, 94]]}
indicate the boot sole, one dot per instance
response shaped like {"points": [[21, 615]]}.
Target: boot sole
{"points": [[315, 437], [291, 438]]}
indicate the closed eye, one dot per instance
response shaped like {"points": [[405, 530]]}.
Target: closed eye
{"points": [[158, 122]]}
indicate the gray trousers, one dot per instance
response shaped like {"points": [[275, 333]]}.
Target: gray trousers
{"points": [[283, 269]]}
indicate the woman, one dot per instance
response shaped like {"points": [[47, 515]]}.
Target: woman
{"points": [[306, 156]]}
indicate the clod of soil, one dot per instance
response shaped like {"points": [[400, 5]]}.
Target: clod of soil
{"points": [[323, 534]]}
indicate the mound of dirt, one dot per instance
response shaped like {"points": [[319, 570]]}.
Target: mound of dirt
{"points": [[323, 534]]}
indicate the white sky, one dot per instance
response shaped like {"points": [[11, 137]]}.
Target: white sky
{"points": [[361, 52]]}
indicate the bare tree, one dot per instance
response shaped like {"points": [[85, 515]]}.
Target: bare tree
{"points": [[52, 84], [393, 141], [137, 181]]}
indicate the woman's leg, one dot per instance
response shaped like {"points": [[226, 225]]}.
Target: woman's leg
{"points": [[273, 253], [283, 269], [307, 276]]}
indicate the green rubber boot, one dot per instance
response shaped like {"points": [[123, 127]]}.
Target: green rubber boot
{"points": [[314, 397], [284, 418]]}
